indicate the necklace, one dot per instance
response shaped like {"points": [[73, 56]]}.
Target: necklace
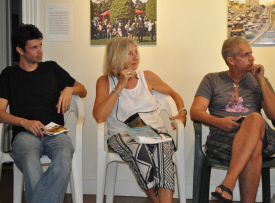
{"points": [[238, 79]]}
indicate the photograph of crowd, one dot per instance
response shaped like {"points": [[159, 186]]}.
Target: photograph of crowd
{"points": [[135, 19]]}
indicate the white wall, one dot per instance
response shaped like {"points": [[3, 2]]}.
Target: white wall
{"points": [[190, 36]]}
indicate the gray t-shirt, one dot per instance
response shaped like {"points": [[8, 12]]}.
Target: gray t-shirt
{"points": [[218, 89]]}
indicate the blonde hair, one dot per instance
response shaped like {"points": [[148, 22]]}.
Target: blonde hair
{"points": [[116, 55]]}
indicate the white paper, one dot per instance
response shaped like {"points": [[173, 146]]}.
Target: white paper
{"points": [[58, 22], [147, 140]]}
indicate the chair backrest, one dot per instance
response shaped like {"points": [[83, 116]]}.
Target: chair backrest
{"points": [[3, 131], [165, 102]]}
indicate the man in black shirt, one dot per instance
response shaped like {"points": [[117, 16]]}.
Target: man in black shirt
{"points": [[38, 93]]}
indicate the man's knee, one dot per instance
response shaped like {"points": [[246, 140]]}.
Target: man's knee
{"points": [[26, 146], [63, 161], [65, 153], [62, 150], [254, 118]]}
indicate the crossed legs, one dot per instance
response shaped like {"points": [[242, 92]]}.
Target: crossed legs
{"points": [[246, 159]]}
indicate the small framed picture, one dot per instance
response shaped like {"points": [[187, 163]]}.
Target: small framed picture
{"points": [[253, 20], [136, 19]]}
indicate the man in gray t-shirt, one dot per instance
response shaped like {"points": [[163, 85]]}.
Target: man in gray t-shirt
{"points": [[241, 91]]}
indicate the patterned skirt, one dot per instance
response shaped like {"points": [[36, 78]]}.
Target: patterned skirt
{"points": [[152, 165], [219, 144]]}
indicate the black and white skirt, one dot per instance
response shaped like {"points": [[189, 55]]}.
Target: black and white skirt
{"points": [[152, 165]]}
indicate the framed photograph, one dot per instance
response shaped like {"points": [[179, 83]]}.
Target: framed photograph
{"points": [[253, 20], [135, 19]]}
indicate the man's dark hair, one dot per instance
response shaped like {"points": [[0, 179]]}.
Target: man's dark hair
{"points": [[22, 34]]}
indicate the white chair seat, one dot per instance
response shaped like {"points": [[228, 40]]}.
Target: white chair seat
{"points": [[76, 174], [109, 161]]}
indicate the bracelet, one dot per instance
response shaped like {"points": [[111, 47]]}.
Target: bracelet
{"points": [[114, 90], [185, 111]]}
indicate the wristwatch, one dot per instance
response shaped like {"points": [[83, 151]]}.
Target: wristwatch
{"points": [[183, 109]]}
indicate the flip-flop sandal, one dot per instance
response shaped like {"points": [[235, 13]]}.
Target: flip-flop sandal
{"points": [[220, 197]]}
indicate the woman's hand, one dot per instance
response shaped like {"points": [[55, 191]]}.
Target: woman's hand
{"points": [[125, 75], [181, 117]]}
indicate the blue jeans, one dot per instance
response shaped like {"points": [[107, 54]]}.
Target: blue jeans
{"points": [[49, 186], [109, 34]]}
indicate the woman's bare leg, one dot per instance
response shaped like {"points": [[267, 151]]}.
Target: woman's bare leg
{"points": [[151, 195], [165, 195]]}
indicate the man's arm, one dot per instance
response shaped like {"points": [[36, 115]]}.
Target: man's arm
{"points": [[31, 125], [198, 113], [268, 102], [65, 98]]}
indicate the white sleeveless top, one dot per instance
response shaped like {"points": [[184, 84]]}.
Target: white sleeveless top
{"points": [[131, 101]]}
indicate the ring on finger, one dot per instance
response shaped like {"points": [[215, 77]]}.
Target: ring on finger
{"points": [[128, 72]]}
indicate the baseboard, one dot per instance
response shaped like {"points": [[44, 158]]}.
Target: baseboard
{"points": [[123, 188], [130, 188]]}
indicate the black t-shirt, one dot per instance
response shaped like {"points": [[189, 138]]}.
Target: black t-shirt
{"points": [[34, 95]]}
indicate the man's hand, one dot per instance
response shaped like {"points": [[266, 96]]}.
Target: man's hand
{"points": [[36, 127], [227, 124], [65, 100], [181, 117], [257, 71]]}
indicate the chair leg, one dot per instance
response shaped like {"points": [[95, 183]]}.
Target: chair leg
{"points": [[72, 187], [76, 181], [1, 165], [17, 185], [111, 181], [198, 180], [266, 185], [101, 173], [205, 185], [181, 180]]}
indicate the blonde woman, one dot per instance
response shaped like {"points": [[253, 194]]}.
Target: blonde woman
{"points": [[124, 92]]}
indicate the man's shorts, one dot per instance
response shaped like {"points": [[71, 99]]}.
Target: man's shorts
{"points": [[219, 144]]}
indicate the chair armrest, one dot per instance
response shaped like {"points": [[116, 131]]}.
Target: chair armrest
{"points": [[77, 106], [78, 135], [180, 135], [168, 104], [198, 138], [101, 138]]}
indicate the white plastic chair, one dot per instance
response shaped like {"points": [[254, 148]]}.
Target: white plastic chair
{"points": [[76, 174], [107, 160]]}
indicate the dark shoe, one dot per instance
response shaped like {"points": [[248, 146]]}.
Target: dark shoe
{"points": [[220, 197]]}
